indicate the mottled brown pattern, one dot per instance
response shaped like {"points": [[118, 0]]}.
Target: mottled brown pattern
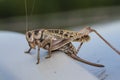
{"points": [[66, 34]]}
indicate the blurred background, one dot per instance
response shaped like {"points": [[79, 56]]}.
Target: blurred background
{"points": [[56, 13]]}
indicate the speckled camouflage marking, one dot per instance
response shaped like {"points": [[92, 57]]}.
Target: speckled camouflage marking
{"points": [[66, 34]]}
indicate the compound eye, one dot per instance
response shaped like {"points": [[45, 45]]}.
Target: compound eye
{"points": [[37, 34], [29, 34], [29, 37]]}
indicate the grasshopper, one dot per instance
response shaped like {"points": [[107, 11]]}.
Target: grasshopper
{"points": [[58, 39]]}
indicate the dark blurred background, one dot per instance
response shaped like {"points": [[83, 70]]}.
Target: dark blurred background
{"points": [[56, 13]]}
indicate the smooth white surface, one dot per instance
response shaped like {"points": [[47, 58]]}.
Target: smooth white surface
{"points": [[16, 65]]}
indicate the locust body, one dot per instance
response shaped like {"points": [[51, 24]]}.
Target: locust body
{"points": [[69, 49], [57, 39]]}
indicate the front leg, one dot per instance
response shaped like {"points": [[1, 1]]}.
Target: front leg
{"points": [[46, 43], [38, 56]]}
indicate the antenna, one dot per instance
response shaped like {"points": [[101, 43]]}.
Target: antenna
{"points": [[33, 5], [26, 11]]}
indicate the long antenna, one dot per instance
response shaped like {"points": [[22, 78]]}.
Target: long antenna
{"points": [[26, 11], [33, 5]]}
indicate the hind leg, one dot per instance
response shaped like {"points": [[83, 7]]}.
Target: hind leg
{"points": [[78, 49], [71, 51]]}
